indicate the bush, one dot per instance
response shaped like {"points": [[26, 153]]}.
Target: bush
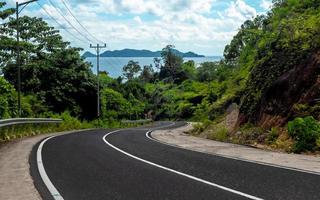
{"points": [[273, 135], [305, 132], [220, 134], [198, 128], [8, 98]]}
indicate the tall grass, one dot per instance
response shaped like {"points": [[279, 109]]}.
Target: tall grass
{"points": [[69, 123]]}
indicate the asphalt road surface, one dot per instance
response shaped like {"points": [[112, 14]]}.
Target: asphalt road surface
{"points": [[127, 165]]}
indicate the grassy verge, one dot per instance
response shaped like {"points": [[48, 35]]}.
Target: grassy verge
{"points": [[211, 130], [301, 135], [69, 123]]}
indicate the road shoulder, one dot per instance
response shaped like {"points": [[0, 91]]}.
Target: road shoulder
{"points": [[178, 138], [15, 180]]}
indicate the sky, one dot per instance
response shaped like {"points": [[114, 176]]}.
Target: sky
{"points": [[201, 26]]}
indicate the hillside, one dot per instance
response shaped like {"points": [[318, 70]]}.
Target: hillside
{"points": [[138, 53], [276, 60]]}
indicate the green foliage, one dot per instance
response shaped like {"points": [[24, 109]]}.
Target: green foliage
{"points": [[189, 68], [8, 98], [282, 40], [305, 132], [5, 12], [249, 134], [220, 134], [52, 71], [131, 70], [209, 71], [198, 128], [318, 143], [69, 122], [172, 71], [19, 131], [185, 110], [147, 74], [6, 43], [57, 79], [273, 135], [114, 105]]}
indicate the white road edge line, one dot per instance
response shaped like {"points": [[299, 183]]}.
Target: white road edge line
{"points": [[177, 172], [53, 191], [149, 136], [46, 180]]}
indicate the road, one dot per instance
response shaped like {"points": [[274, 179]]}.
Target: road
{"points": [[125, 164]]}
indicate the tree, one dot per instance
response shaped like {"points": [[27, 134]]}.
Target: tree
{"points": [[248, 35], [147, 74], [7, 43], [189, 68], [157, 63], [131, 70], [52, 70], [171, 70], [7, 99], [114, 105], [5, 13]]}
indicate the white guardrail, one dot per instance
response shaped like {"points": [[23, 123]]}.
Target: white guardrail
{"points": [[18, 121]]}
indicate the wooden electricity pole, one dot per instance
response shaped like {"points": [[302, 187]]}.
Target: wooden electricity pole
{"points": [[97, 48]]}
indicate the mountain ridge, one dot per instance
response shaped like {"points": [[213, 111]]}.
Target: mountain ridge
{"points": [[139, 53]]}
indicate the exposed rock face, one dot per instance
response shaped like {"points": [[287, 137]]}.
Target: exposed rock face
{"points": [[300, 85], [232, 117]]}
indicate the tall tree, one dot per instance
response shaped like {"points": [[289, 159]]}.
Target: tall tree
{"points": [[131, 70], [7, 43], [52, 70], [171, 70], [147, 74], [5, 12]]}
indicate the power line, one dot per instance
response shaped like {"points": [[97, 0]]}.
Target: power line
{"points": [[61, 14], [69, 10], [48, 13], [99, 41], [84, 36], [115, 58], [73, 35]]}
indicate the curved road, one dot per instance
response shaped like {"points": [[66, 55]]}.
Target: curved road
{"points": [[126, 164]]}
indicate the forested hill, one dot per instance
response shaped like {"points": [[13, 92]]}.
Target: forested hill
{"points": [[139, 53], [275, 59]]}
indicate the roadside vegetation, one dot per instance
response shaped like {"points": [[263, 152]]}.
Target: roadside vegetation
{"points": [[270, 70], [56, 82], [276, 62]]}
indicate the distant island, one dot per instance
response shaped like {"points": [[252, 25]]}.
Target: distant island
{"points": [[139, 53]]}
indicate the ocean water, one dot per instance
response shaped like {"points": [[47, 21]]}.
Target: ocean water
{"points": [[114, 65]]}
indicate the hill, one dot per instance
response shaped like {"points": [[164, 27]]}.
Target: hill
{"points": [[88, 54], [138, 53]]}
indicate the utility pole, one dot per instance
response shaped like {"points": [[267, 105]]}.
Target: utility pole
{"points": [[24, 4], [97, 48]]}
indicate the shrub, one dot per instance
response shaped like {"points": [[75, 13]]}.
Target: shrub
{"points": [[318, 143], [305, 132], [198, 128], [185, 110], [273, 135], [220, 134], [7, 99]]}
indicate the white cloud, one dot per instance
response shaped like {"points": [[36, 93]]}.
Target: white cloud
{"points": [[240, 10], [266, 4], [184, 23], [138, 20]]}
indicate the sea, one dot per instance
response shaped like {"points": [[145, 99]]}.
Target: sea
{"points": [[114, 65]]}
